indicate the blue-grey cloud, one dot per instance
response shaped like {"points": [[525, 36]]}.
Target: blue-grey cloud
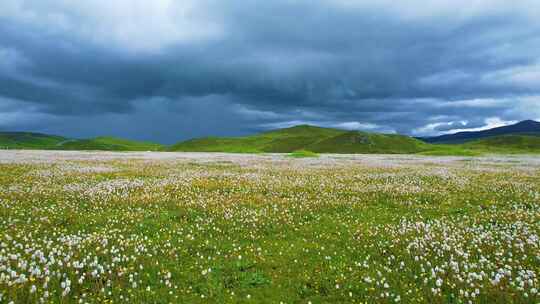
{"points": [[168, 70]]}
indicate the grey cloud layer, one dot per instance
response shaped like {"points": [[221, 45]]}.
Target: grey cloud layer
{"points": [[386, 66]]}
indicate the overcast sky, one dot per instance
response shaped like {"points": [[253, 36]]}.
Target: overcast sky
{"points": [[167, 70]]}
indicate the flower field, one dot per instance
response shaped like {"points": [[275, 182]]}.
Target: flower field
{"points": [[102, 227]]}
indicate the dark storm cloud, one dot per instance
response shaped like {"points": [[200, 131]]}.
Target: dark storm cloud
{"points": [[218, 68]]}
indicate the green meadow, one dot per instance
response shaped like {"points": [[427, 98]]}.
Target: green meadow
{"points": [[85, 227]]}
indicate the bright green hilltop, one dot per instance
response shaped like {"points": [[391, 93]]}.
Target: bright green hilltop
{"points": [[309, 138], [288, 140]]}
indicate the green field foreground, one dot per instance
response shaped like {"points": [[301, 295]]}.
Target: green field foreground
{"points": [[85, 227]]}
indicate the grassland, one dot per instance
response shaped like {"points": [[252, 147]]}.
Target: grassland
{"points": [[82, 227], [508, 144], [501, 145], [325, 140], [307, 138], [109, 144], [303, 154], [288, 140], [37, 141], [26, 140]]}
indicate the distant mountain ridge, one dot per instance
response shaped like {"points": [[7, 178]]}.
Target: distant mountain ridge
{"points": [[526, 127]]}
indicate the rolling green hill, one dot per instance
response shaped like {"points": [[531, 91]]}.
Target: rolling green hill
{"points": [[299, 138], [28, 140], [304, 137], [282, 140], [325, 140], [362, 142], [507, 144], [108, 144]]}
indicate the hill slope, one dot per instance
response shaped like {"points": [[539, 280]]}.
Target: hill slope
{"points": [[28, 140], [108, 144], [526, 127], [507, 144], [304, 137], [363, 142]]}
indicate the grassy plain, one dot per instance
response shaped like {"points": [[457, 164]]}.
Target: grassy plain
{"points": [[101, 227]]}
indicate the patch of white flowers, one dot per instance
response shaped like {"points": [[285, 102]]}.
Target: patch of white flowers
{"points": [[81, 227]]}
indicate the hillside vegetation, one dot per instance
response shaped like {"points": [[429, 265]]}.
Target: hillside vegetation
{"points": [[310, 138], [288, 140], [507, 144], [109, 144], [28, 140], [362, 142], [279, 141], [325, 140], [38, 141]]}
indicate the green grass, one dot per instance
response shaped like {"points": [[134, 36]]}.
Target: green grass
{"points": [[303, 154], [215, 144], [288, 140], [227, 230], [325, 140], [278, 141], [316, 139], [507, 144], [452, 150], [109, 144], [363, 142], [504, 144], [28, 140]]}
